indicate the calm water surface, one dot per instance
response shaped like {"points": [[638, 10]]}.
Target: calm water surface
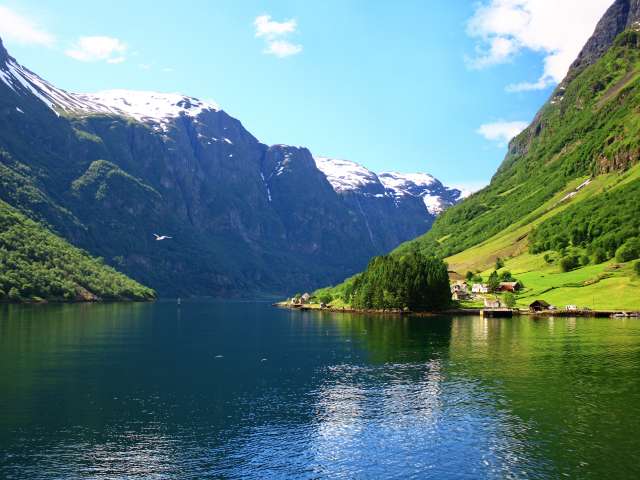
{"points": [[244, 390]]}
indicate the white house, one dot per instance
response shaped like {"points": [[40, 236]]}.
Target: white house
{"points": [[480, 288]]}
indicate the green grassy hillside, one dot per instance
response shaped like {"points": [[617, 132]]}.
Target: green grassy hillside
{"points": [[37, 265], [589, 127], [567, 196]]}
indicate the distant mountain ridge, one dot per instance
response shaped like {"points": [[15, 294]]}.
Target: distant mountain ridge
{"points": [[346, 176], [106, 170]]}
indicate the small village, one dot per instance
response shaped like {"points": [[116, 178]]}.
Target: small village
{"points": [[501, 301], [477, 298]]}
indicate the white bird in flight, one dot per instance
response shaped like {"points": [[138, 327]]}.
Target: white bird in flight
{"points": [[161, 237]]}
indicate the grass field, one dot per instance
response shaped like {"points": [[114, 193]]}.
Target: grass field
{"points": [[607, 286]]}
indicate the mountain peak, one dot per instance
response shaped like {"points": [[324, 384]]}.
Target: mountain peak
{"points": [[620, 16], [345, 175], [4, 55], [145, 105]]}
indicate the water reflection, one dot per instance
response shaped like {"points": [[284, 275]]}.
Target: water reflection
{"points": [[248, 391]]}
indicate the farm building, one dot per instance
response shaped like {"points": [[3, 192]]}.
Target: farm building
{"points": [[460, 295], [459, 287], [509, 286], [480, 288], [538, 306]]}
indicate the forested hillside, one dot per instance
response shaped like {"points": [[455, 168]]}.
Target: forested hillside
{"points": [[38, 265]]}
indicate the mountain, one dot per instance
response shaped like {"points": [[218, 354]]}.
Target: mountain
{"points": [[563, 209], [107, 170], [395, 206]]}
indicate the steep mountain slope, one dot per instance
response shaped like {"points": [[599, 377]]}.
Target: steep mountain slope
{"points": [[589, 126], [107, 170], [35, 264], [582, 145]]}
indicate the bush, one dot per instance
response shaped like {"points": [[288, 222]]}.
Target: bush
{"points": [[569, 263], [636, 267], [325, 298], [630, 250], [469, 276], [506, 276], [499, 263], [599, 255], [509, 300], [585, 260]]}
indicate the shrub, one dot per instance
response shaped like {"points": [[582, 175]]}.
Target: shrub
{"points": [[585, 260], [506, 276], [509, 300], [499, 263], [630, 250], [636, 267], [568, 263], [325, 298], [599, 255]]}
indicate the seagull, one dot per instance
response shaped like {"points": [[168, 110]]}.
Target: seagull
{"points": [[161, 237]]}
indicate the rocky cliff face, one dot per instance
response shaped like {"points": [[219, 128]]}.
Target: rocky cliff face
{"points": [[392, 206], [620, 16], [107, 170]]}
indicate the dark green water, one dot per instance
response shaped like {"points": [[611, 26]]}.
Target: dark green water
{"points": [[244, 390]]}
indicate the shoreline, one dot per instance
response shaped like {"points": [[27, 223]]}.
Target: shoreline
{"points": [[486, 312]]}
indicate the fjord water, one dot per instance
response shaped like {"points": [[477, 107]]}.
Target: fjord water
{"points": [[245, 390]]}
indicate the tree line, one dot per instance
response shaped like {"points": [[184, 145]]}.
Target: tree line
{"points": [[414, 281]]}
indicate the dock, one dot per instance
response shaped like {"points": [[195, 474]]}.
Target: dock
{"points": [[496, 313]]}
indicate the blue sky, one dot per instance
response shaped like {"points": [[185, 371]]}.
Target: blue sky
{"points": [[412, 85]]}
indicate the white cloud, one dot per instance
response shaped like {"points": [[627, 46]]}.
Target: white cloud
{"points": [[275, 33], [282, 48], [501, 132], [556, 29], [20, 29], [265, 27], [98, 48]]}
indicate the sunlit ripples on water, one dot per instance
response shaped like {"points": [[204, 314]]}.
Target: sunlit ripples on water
{"points": [[242, 390]]}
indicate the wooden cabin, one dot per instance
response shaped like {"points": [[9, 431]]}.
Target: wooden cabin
{"points": [[539, 306]]}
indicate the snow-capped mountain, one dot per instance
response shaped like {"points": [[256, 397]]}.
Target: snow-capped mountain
{"points": [[152, 107], [347, 176], [106, 170]]}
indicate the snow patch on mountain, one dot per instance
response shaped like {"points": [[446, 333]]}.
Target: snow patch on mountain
{"points": [[143, 106], [146, 106], [345, 176], [406, 183], [436, 197]]}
